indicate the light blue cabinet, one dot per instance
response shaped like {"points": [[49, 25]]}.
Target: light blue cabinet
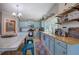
{"points": [[57, 47], [73, 49], [59, 50], [62, 48], [51, 45], [47, 40]]}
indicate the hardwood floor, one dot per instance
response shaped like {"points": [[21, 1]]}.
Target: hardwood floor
{"points": [[40, 48]]}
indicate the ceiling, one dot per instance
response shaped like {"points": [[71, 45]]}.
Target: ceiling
{"points": [[33, 11]]}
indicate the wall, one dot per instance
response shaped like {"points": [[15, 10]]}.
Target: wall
{"points": [[25, 24], [50, 24]]}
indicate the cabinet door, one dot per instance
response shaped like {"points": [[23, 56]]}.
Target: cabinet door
{"points": [[51, 46], [59, 50], [65, 6], [47, 40], [73, 49], [42, 36], [69, 5]]}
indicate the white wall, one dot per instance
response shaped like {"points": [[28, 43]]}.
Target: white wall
{"points": [[50, 24], [24, 25]]}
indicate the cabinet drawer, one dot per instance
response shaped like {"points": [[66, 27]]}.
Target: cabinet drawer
{"points": [[51, 46], [60, 43]]}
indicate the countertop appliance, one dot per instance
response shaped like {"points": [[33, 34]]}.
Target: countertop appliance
{"points": [[65, 34], [60, 32]]}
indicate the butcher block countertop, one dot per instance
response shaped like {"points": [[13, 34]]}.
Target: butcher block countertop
{"points": [[12, 43], [68, 40]]}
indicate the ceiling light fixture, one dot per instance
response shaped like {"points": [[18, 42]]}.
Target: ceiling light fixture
{"points": [[17, 13]]}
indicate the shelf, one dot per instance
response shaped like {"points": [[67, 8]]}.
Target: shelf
{"points": [[68, 21], [70, 9], [66, 11], [77, 7]]}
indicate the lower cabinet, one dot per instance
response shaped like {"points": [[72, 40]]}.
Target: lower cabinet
{"points": [[73, 49], [47, 40], [59, 50], [57, 47], [51, 46], [62, 48]]}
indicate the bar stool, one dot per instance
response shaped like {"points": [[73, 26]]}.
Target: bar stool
{"points": [[28, 46]]}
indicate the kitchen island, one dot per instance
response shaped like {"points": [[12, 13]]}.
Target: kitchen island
{"points": [[12, 43]]}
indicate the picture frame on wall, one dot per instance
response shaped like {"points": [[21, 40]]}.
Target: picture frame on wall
{"points": [[11, 26]]}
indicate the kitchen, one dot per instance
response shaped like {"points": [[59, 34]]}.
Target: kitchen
{"points": [[55, 28]]}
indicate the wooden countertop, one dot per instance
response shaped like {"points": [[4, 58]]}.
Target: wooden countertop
{"points": [[68, 40]]}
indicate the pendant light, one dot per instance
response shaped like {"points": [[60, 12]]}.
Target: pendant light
{"points": [[17, 13]]}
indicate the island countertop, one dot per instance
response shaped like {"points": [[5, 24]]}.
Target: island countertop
{"points": [[68, 40], [12, 43]]}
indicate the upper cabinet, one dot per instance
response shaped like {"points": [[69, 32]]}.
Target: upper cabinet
{"points": [[68, 5], [63, 7], [68, 12]]}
